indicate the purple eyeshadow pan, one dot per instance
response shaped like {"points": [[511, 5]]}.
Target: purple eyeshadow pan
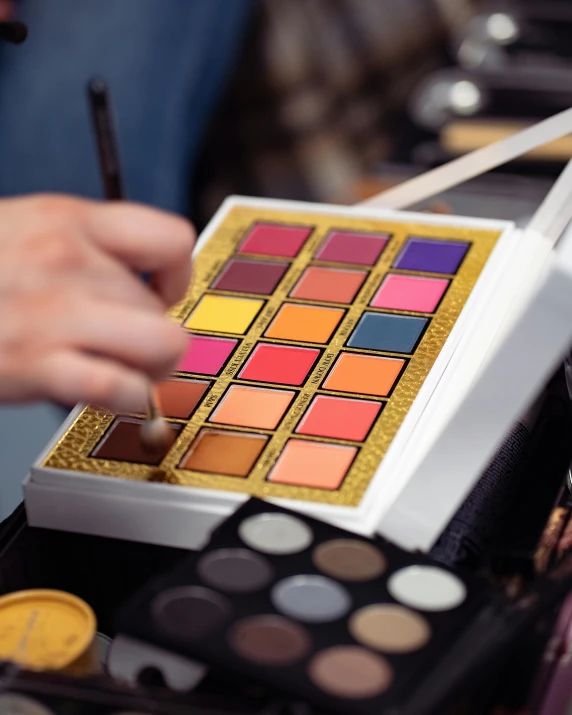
{"points": [[431, 255]]}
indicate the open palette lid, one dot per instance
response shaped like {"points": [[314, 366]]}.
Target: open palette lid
{"points": [[330, 349]]}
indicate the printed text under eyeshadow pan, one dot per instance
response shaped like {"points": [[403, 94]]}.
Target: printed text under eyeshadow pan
{"points": [[310, 335]]}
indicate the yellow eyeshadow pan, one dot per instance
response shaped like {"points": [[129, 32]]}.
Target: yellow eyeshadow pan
{"points": [[223, 314], [310, 335]]}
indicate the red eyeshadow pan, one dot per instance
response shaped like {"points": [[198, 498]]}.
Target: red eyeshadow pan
{"points": [[269, 239], [244, 275], [348, 247], [330, 285], [282, 364], [339, 418]]}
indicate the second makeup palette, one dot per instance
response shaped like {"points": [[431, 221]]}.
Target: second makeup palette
{"points": [[347, 623]]}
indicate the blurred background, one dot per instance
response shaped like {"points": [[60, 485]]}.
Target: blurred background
{"points": [[318, 100]]}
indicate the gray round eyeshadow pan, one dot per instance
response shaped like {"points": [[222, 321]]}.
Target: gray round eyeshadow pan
{"points": [[190, 612], [314, 599], [427, 588], [235, 570], [275, 533]]}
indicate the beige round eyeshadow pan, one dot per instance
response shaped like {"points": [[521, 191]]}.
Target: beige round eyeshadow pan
{"points": [[349, 560], [390, 628], [350, 672]]}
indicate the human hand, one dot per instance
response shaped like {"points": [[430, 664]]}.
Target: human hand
{"points": [[78, 325], [6, 10]]}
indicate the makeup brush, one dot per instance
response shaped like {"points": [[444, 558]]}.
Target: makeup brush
{"points": [[156, 435]]}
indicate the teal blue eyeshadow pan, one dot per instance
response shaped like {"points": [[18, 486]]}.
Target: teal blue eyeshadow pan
{"points": [[387, 332]]}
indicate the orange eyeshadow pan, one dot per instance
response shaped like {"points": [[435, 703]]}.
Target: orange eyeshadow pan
{"points": [[305, 323], [313, 464], [221, 452], [256, 407]]}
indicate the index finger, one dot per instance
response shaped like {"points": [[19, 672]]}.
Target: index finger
{"points": [[148, 241]]}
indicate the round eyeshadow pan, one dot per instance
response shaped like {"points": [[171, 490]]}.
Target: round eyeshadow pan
{"points": [[270, 640], [349, 560], [235, 570], [314, 599], [190, 612], [389, 628], [275, 533], [350, 672], [427, 588]]}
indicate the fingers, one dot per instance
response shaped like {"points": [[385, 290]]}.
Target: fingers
{"points": [[147, 240], [69, 377], [147, 342]]}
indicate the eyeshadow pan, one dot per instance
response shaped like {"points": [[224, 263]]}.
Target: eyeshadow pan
{"points": [[190, 612], [365, 374], [427, 588], [431, 255], [122, 443], [330, 285], [304, 323], [243, 275], [418, 294], [311, 599], [350, 672], [270, 239], [235, 570], [178, 398], [224, 452], [312, 464], [339, 418], [257, 407], [270, 640], [224, 314], [349, 560], [274, 533], [282, 364], [206, 355], [389, 628], [350, 247], [385, 331]]}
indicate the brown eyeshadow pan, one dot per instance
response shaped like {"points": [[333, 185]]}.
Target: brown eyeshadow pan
{"points": [[179, 397], [122, 443], [349, 560], [350, 672], [270, 640]]}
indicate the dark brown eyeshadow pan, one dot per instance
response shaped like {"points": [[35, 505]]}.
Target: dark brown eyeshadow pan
{"points": [[122, 443]]}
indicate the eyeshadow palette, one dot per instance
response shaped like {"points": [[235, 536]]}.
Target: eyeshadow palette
{"points": [[319, 340], [347, 623]]}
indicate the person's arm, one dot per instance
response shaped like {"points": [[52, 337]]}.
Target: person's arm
{"points": [[76, 322]]}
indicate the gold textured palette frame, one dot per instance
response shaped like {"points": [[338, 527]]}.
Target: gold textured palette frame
{"points": [[71, 453]]}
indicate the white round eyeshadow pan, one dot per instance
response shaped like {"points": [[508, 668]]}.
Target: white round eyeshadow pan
{"points": [[275, 533], [427, 588]]}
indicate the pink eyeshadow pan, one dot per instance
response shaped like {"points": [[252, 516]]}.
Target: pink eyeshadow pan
{"points": [[349, 247], [415, 293], [206, 355]]}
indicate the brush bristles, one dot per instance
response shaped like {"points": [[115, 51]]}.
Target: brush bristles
{"points": [[156, 435]]}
